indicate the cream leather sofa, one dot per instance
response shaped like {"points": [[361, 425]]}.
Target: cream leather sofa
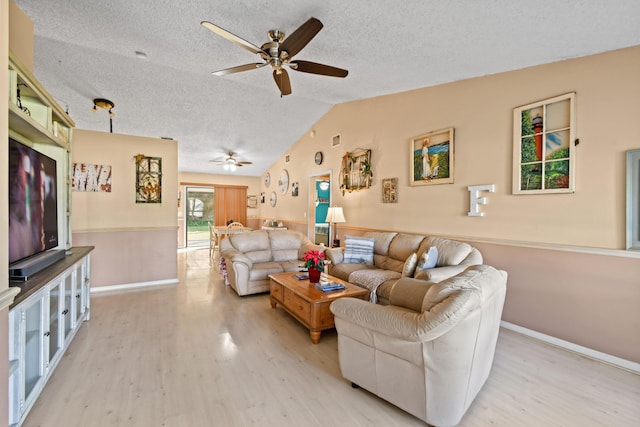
{"points": [[430, 350], [251, 257], [391, 250]]}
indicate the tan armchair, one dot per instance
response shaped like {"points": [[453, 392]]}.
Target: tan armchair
{"points": [[430, 350]]}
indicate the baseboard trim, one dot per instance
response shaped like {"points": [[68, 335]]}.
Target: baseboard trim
{"points": [[132, 286], [583, 351]]}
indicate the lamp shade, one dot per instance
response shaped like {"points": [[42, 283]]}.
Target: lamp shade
{"points": [[335, 215]]}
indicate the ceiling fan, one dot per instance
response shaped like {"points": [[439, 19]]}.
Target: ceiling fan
{"points": [[278, 52], [230, 163]]}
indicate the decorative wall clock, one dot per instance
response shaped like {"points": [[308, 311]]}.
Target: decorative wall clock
{"points": [[267, 180], [274, 199], [319, 157], [283, 182]]}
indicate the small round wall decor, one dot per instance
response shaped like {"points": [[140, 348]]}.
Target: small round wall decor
{"points": [[283, 182]]}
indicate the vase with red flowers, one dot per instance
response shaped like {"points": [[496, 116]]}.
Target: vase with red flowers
{"points": [[314, 263]]}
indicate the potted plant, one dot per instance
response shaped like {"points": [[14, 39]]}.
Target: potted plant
{"points": [[314, 263]]}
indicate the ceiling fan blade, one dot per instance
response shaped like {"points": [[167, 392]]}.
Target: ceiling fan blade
{"points": [[231, 37], [282, 80], [301, 36], [244, 163], [315, 68], [238, 69]]}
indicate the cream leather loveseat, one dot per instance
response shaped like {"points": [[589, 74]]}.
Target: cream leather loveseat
{"points": [[251, 257], [390, 253], [430, 350]]}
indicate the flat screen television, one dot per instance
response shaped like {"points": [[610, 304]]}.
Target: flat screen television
{"points": [[33, 211]]}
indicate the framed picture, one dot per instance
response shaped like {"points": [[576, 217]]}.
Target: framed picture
{"points": [[335, 141], [262, 197], [148, 179], [390, 190], [543, 146], [287, 158], [633, 200], [431, 158], [252, 201], [294, 189], [87, 177]]}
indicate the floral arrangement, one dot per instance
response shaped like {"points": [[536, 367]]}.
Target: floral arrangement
{"points": [[314, 259]]}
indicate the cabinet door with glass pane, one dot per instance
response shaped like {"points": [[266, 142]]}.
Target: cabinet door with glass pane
{"points": [[69, 323], [54, 334], [77, 309], [28, 330]]}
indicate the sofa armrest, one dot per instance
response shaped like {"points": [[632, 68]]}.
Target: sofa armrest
{"points": [[237, 257], [439, 274], [310, 246], [408, 293], [335, 255], [404, 323]]}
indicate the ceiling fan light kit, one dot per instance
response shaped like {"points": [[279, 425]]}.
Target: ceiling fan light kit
{"points": [[279, 52], [230, 163]]}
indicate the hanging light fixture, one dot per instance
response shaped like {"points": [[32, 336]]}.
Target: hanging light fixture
{"points": [[105, 104]]}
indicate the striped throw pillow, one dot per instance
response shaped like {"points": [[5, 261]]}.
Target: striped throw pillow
{"points": [[358, 250]]}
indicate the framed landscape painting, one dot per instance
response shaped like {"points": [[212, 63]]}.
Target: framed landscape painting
{"points": [[431, 158], [544, 146]]}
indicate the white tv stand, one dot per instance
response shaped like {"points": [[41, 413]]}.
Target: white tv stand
{"points": [[43, 320]]}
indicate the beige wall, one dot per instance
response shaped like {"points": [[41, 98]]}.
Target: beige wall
{"points": [[480, 110], [118, 209], [138, 238], [21, 35], [544, 241]]}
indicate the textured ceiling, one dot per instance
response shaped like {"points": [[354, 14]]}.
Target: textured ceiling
{"points": [[85, 49]]}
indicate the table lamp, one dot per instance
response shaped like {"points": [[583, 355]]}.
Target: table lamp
{"points": [[334, 216]]}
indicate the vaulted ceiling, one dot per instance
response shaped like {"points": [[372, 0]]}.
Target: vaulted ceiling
{"points": [[87, 49]]}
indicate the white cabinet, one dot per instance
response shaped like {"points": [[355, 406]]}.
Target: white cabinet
{"points": [[37, 120], [42, 322]]}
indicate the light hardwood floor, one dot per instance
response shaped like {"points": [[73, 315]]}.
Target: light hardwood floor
{"points": [[196, 354]]}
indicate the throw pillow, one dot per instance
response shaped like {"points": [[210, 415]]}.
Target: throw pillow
{"points": [[410, 265], [428, 259], [358, 250]]}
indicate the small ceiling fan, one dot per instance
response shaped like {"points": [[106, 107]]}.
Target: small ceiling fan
{"points": [[230, 163], [278, 52]]}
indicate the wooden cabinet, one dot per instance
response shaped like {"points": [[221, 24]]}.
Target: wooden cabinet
{"points": [[43, 320]]}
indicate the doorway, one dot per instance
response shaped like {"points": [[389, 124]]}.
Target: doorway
{"points": [[319, 202], [198, 213]]}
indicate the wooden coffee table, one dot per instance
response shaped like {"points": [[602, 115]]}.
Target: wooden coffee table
{"points": [[307, 304]]}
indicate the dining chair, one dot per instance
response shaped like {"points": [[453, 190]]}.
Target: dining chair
{"points": [[213, 239]]}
